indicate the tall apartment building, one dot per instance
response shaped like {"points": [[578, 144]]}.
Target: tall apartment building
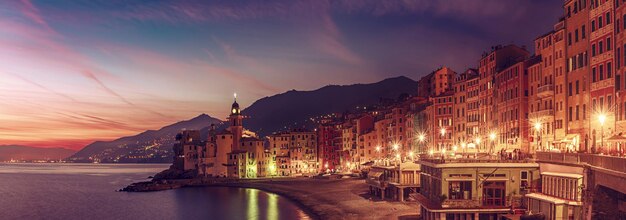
{"points": [[441, 126], [459, 108], [329, 145], [489, 65], [511, 94], [577, 80], [473, 114], [602, 91], [296, 151], [620, 67], [547, 97], [435, 83]]}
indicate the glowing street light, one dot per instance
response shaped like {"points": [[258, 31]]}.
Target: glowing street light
{"points": [[377, 148], [477, 140], [537, 127], [421, 137], [411, 154], [602, 119], [395, 147], [431, 152], [492, 136]]}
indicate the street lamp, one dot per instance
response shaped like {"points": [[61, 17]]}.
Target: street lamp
{"points": [[421, 138], [395, 147], [537, 127], [443, 153], [602, 119], [443, 133], [492, 137], [477, 146]]}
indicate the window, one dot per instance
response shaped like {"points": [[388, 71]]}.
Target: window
{"points": [[577, 91], [593, 25], [570, 113], [601, 72], [524, 181], [569, 38], [600, 47], [608, 43], [600, 22], [593, 50], [609, 70], [570, 89], [583, 32], [608, 18], [576, 35], [593, 74], [460, 190], [619, 59]]}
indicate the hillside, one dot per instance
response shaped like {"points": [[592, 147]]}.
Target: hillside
{"points": [[148, 146], [276, 112]]}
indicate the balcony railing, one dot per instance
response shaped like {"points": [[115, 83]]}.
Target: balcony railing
{"points": [[541, 113], [605, 83], [471, 160], [545, 90], [606, 162]]}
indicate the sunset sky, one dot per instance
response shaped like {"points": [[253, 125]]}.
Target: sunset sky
{"points": [[78, 71]]}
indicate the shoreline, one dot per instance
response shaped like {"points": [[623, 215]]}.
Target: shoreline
{"points": [[319, 198]]}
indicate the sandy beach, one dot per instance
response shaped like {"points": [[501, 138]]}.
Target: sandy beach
{"points": [[335, 199]]}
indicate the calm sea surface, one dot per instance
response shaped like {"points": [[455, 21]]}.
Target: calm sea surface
{"points": [[87, 191]]}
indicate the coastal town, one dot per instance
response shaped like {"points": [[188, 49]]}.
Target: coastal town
{"points": [[313, 109], [521, 136]]}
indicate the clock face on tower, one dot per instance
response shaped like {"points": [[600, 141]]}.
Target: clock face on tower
{"points": [[234, 111]]}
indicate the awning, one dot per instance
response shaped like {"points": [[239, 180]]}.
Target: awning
{"points": [[368, 163], [569, 138], [568, 175], [616, 138], [374, 174]]}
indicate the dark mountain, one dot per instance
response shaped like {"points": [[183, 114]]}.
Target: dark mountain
{"points": [[274, 113], [25, 153], [266, 115], [148, 146]]}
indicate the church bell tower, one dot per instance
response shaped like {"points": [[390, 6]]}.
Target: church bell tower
{"points": [[236, 124]]}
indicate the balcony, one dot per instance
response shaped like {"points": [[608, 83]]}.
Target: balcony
{"points": [[605, 83], [541, 113], [545, 91]]}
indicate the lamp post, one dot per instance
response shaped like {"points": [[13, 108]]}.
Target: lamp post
{"points": [[477, 146], [537, 127], [492, 137], [443, 133], [421, 138], [602, 119]]}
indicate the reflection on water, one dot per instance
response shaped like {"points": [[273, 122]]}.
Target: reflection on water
{"points": [[86, 191], [272, 206]]}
